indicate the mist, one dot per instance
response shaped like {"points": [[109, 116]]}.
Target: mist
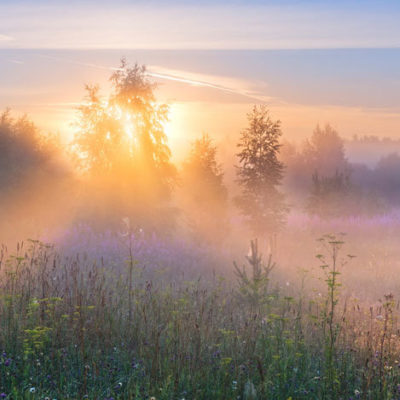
{"points": [[144, 259]]}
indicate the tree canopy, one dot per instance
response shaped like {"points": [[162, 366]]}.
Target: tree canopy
{"points": [[121, 143], [260, 173]]}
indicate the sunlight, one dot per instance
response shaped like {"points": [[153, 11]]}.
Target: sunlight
{"points": [[221, 222], [129, 130]]}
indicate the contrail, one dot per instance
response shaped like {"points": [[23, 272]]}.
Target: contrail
{"points": [[211, 85], [176, 78]]}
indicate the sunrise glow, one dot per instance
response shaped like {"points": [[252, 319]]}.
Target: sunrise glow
{"points": [[199, 200]]}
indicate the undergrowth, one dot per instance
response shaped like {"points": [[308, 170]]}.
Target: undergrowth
{"points": [[74, 329]]}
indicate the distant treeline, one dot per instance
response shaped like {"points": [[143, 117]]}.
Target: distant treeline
{"points": [[119, 168]]}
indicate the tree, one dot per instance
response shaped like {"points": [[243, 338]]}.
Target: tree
{"points": [[25, 153], [324, 152], [336, 196], [204, 195], [122, 146], [33, 178], [330, 196], [387, 177], [260, 173]]}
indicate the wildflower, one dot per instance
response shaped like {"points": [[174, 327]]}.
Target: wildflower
{"points": [[357, 392], [7, 362], [3, 395], [32, 390]]}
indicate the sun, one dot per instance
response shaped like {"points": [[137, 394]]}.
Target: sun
{"points": [[172, 127]]}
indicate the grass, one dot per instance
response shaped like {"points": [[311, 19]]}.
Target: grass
{"points": [[75, 329]]}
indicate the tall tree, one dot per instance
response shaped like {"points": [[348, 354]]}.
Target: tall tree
{"points": [[122, 146], [204, 195], [260, 173]]}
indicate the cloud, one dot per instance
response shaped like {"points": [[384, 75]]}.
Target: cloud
{"points": [[15, 61], [229, 85], [130, 25], [6, 38], [225, 84]]}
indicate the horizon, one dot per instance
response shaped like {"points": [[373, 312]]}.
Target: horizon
{"points": [[302, 88], [309, 61]]}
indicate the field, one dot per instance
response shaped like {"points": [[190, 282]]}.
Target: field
{"points": [[199, 200], [105, 316]]}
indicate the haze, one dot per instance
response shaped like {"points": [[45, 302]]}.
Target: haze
{"points": [[199, 200], [311, 62]]}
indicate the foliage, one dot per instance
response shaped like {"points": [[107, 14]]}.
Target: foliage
{"points": [[386, 177], [260, 172], [322, 155], [324, 152], [330, 264], [336, 196], [25, 153], [71, 328], [122, 147], [253, 288], [328, 195], [204, 195]]}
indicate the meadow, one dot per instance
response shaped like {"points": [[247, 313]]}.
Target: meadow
{"points": [[127, 316], [199, 200]]}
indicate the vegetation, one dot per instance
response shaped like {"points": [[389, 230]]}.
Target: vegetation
{"points": [[25, 154], [118, 313], [260, 173], [74, 329], [204, 195], [122, 146]]}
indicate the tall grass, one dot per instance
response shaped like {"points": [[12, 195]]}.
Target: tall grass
{"points": [[74, 328]]}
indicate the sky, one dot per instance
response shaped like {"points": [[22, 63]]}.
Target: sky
{"points": [[309, 61]]}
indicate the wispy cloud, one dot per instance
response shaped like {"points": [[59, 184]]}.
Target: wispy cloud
{"points": [[229, 85], [225, 84], [6, 38], [15, 61]]}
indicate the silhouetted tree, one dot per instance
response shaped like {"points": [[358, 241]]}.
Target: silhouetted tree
{"points": [[260, 173], [329, 195], [336, 196], [34, 177], [387, 177], [121, 144], [24, 152], [324, 152], [204, 194]]}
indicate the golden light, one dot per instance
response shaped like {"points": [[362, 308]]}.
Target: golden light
{"points": [[131, 123], [128, 128]]}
